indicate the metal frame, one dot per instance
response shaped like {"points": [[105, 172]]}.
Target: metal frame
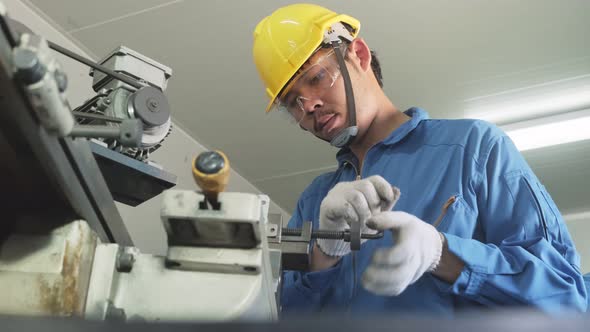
{"points": [[64, 167]]}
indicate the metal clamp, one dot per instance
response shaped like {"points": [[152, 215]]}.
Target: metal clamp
{"points": [[294, 243]]}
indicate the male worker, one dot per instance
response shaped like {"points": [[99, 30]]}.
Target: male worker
{"points": [[473, 225]]}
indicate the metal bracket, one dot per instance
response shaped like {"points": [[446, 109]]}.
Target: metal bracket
{"points": [[294, 248]]}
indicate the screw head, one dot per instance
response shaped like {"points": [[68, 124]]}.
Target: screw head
{"points": [[152, 105]]}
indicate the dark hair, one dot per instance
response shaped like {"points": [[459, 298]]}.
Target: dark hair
{"points": [[376, 66]]}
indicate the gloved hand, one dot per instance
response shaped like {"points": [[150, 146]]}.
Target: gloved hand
{"points": [[417, 249], [354, 201]]}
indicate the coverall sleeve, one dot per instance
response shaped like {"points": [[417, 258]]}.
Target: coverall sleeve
{"points": [[527, 256], [302, 291]]}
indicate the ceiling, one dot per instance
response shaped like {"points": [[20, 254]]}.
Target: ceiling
{"points": [[435, 54]]}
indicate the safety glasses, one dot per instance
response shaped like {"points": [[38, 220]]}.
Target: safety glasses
{"points": [[311, 83]]}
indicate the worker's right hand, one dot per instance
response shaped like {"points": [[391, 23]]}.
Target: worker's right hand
{"points": [[350, 202]]}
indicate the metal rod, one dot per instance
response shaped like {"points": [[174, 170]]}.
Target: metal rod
{"points": [[333, 235], [94, 65], [96, 117], [95, 131]]}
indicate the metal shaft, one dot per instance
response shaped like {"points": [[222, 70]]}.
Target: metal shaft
{"points": [[128, 133], [96, 117], [95, 131], [332, 235]]}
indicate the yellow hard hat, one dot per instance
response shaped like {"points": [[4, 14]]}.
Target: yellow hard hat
{"points": [[287, 38]]}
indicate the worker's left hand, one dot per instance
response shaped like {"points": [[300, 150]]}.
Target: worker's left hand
{"points": [[417, 249]]}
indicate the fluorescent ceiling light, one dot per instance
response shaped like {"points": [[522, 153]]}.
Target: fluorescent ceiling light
{"points": [[538, 100], [577, 217], [551, 130]]}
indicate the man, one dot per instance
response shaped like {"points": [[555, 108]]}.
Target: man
{"points": [[466, 222]]}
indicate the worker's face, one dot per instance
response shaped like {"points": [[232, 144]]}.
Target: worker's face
{"points": [[315, 98]]}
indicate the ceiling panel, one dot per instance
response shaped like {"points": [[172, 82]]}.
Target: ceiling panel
{"points": [[565, 172], [215, 92], [77, 14], [434, 54]]}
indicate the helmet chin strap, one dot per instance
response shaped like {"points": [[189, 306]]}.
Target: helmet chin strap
{"points": [[346, 135]]}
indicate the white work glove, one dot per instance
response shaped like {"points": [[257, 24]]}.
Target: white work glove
{"points": [[417, 249], [354, 201]]}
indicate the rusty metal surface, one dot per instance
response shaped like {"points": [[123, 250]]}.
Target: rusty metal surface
{"points": [[47, 274]]}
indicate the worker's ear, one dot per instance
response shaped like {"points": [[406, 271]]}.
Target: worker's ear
{"points": [[360, 53]]}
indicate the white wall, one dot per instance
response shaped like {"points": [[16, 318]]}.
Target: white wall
{"points": [[579, 228], [175, 155]]}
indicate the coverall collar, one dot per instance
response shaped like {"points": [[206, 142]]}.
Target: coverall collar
{"points": [[416, 115]]}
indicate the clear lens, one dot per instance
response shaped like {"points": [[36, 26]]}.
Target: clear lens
{"points": [[312, 83]]}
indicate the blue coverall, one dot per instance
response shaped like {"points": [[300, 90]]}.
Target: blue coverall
{"points": [[503, 224]]}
